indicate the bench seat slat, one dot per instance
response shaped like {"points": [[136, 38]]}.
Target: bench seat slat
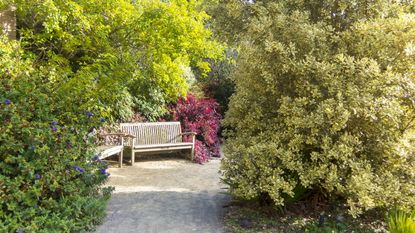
{"points": [[162, 149], [182, 144]]}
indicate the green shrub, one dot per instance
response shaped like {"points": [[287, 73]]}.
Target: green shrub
{"points": [[49, 178], [400, 221], [324, 101]]}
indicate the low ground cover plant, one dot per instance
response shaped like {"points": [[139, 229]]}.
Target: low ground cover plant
{"points": [[244, 217]]}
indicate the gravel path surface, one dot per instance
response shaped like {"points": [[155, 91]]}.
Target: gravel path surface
{"points": [[166, 195]]}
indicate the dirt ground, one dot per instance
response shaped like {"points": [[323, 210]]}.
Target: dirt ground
{"points": [[166, 194]]}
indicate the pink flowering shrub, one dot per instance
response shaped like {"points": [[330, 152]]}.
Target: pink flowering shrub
{"points": [[200, 116]]}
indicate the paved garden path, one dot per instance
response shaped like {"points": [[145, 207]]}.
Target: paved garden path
{"points": [[165, 195]]}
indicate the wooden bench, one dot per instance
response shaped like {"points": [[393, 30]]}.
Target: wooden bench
{"points": [[155, 137], [107, 150]]}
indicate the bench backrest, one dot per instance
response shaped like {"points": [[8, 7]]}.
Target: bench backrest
{"points": [[153, 133]]}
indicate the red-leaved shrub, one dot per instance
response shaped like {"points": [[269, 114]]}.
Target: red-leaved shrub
{"points": [[201, 152], [200, 116]]}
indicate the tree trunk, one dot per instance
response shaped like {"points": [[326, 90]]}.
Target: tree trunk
{"points": [[8, 22]]}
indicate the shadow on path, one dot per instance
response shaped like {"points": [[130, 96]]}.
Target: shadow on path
{"points": [[166, 196], [165, 212]]}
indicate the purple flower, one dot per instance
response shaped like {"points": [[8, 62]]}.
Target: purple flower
{"points": [[36, 206], [89, 114], [104, 172], [79, 169], [53, 123], [54, 128], [20, 230], [7, 102], [95, 158], [37, 176], [103, 120]]}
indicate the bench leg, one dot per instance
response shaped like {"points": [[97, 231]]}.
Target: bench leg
{"points": [[132, 156], [192, 155], [120, 158], [193, 147]]}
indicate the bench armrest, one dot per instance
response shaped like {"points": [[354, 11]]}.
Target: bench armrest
{"points": [[189, 133], [193, 135], [117, 134], [129, 139], [111, 134]]}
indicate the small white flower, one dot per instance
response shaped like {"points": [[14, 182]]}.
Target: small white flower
{"points": [[410, 49]]}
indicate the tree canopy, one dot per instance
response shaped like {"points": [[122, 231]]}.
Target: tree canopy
{"points": [[117, 55]]}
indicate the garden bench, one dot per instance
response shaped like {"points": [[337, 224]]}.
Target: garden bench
{"points": [[105, 151], [156, 137]]}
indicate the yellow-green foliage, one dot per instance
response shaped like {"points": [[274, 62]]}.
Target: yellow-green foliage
{"points": [[115, 55], [175, 38], [401, 222], [324, 100]]}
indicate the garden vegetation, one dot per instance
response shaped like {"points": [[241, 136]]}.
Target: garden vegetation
{"points": [[77, 65], [200, 116], [324, 101]]}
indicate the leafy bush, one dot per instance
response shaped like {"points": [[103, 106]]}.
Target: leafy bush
{"points": [[316, 107], [200, 116], [400, 221], [49, 178]]}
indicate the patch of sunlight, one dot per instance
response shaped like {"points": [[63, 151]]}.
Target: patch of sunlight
{"points": [[135, 189], [157, 165], [116, 175]]}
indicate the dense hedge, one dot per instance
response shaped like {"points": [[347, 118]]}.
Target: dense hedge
{"points": [[49, 178], [324, 102]]}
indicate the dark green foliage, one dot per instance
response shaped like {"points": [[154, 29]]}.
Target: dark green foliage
{"points": [[218, 83], [49, 179]]}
